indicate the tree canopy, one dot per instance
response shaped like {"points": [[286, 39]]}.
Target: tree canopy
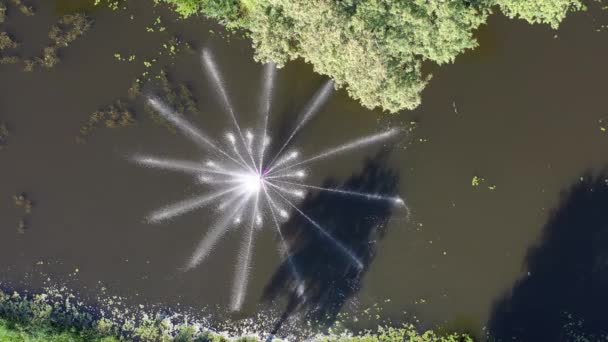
{"points": [[373, 48]]}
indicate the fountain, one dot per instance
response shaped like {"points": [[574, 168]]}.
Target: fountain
{"points": [[249, 186]]}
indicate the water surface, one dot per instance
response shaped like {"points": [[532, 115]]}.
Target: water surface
{"points": [[521, 112]]}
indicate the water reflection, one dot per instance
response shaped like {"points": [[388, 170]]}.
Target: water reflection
{"points": [[328, 279], [563, 294]]}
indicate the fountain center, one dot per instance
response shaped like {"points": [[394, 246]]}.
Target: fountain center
{"points": [[252, 182]]}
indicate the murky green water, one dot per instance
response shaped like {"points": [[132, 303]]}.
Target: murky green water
{"points": [[522, 112]]}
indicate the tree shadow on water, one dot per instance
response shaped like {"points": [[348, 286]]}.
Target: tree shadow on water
{"points": [[325, 277], [564, 295]]}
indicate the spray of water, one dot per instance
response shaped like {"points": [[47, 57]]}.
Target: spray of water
{"points": [[269, 76], [311, 108], [213, 72], [355, 144], [217, 231], [188, 205], [248, 187], [395, 199], [244, 265]]}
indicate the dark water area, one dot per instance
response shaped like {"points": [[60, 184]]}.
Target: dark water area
{"points": [[522, 254]]}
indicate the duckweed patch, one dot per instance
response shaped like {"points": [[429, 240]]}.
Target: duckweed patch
{"points": [[476, 181], [111, 4], [603, 125]]}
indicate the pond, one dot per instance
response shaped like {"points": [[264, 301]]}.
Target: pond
{"points": [[504, 140]]}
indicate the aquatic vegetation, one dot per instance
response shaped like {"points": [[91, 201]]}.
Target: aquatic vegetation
{"points": [[603, 125], [407, 332], [134, 90], [178, 96], [120, 114], [4, 134], [9, 60], [251, 183], [172, 46], [22, 201], [375, 49], [111, 4], [6, 42], [23, 8], [2, 12], [21, 226], [68, 28], [476, 181], [114, 116]]}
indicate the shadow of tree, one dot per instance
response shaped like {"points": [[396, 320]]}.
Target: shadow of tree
{"points": [[564, 295], [328, 278]]}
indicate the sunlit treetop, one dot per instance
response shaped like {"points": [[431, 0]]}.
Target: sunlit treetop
{"points": [[373, 48]]}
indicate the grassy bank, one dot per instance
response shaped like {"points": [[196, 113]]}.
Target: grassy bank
{"points": [[56, 317]]}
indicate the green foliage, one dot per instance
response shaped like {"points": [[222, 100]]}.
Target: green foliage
{"points": [[10, 332], [226, 10], [550, 12], [373, 48], [39, 319], [55, 318], [153, 331], [247, 339]]}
